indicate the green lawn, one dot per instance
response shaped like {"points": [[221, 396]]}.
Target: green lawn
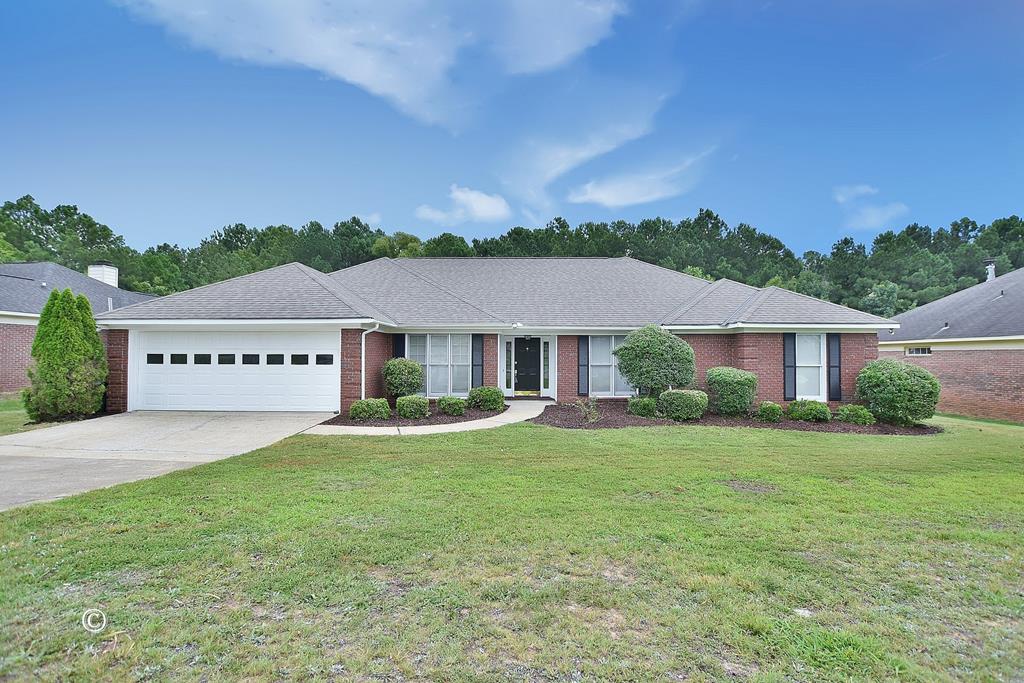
{"points": [[530, 553], [12, 416]]}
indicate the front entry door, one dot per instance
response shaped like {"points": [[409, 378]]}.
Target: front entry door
{"points": [[527, 358]]}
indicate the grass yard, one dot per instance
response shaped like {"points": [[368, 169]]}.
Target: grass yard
{"points": [[12, 416], [530, 553]]}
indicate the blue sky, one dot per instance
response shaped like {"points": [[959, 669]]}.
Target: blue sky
{"points": [[167, 119]]}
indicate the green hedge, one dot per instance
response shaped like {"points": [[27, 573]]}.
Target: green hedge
{"points": [[854, 414], [412, 407], [768, 412], [643, 406], [653, 359], [402, 377], [809, 411], [370, 409], [897, 392], [486, 398], [682, 404], [731, 391], [451, 405]]}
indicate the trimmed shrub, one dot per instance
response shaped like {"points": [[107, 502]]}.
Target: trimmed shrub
{"points": [[855, 414], [652, 360], [402, 377], [67, 378], [412, 407], [897, 392], [682, 404], [809, 411], [451, 405], [643, 406], [768, 412], [486, 398], [731, 391], [370, 409]]}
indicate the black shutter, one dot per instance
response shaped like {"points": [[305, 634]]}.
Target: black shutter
{"points": [[835, 382], [398, 346], [478, 360], [789, 366], [584, 368]]}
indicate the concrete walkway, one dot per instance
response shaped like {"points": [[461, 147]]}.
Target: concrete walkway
{"points": [[518, 411]]}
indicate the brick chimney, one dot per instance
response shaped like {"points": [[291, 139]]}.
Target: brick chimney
{"points": [[104, 272], [990, 269]]}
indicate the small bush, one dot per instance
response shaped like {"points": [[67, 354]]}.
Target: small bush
{"points": [[682, 404], [486, 398], [370, 409], [412, 407], [731, 390], [653, 359], [855, 415], [768, 412], [402, 377], [809, 411], [451, 405], [643, 406], [588, 409], [897, 392]]}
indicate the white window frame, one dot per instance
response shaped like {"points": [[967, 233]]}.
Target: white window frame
{"points": [[919, 351], [822, 366], [434, 338], [506, 359], [611, 369]]}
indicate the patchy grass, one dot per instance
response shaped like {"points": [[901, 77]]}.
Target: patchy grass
{"points": [[531, 553], [12, 416]]}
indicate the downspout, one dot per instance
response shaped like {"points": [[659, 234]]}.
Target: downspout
{"points": [[362, 360]]}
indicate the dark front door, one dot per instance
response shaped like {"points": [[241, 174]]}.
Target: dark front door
{"points": [[527, 357]]}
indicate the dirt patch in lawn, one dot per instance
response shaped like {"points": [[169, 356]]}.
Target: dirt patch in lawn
{"points": [[613, 415], [435, 418], [741, 486]]}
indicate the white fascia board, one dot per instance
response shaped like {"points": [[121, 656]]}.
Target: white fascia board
{"points": [[951, 340], [787, 327], [249, 324], [18, 318]]}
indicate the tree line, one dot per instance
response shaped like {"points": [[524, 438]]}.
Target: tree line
{"points": [[897, 271]]}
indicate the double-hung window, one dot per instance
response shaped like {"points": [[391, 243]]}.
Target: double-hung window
{"points": [[605, 378], [447, 361], [810, 367]]}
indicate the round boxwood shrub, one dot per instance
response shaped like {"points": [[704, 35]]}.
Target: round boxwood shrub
{"points": [[643, 406], [402, 377], [897, 392], [731, 391], [768, 412], [486, 398], [809, 411], [682, 404], [370, 409], [652, 360], [451, 405], [412, 407], [855, 414]]}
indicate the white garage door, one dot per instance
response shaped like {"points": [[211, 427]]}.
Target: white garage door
{"points": [[236, 371]]}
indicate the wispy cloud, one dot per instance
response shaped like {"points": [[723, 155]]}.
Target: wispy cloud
{"points": [[875, 216], [641, 187], [400, 51], [467, 205], [843, 194]]}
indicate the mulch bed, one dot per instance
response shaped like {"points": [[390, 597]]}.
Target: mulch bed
{"points": [[614, 416], [435, 418]]}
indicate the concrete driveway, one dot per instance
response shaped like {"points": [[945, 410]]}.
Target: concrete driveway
{"points": [[59, 461]]}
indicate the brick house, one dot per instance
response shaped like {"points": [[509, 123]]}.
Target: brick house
{"points": [[973, 341], [24, 289], [293, 338]]}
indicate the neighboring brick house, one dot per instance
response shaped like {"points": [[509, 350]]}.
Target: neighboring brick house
{"points": [[293, 338], [973, 341], [24, 289]]}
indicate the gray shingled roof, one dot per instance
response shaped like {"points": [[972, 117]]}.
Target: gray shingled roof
{"points": [[534, 292], [990, 309], [25, 287]]}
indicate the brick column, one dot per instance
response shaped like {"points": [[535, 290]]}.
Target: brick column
{"points": [[116, 343], [490, 360], [15, 355], [379, 349], [351, 373], [568, 386]]}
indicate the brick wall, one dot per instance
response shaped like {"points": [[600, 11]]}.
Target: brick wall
{"points": [[710, 350], [491, 360], [379, 349], [15, 355], [857, 351], [976, 382], [116, 343], [568, 368]]}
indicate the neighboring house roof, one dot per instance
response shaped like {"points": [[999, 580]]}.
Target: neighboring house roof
{"points": [[532, 292], [25, 287], [994, 308]]}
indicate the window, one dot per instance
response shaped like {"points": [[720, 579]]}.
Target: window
{"points": [[462, 362], [919, 351], [325, 359], [179, 358], [300, 359], [201, 359], [154, 359], [508, 364], [225, 359], [546, 364], [605, 378], [810, 361], [250, 359], [275, 359], [447, 361]]}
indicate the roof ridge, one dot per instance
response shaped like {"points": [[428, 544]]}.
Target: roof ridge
{"points": [[687, 305], [445, 290], [963, 293], [746, 306], [315, 275], [631, 259]]}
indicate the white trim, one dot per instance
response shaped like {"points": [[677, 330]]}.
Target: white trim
{"points": [[552, 341], [362, 360], [107, 323], [18, 318], [612, 367], [952, 340], [822, 367]]}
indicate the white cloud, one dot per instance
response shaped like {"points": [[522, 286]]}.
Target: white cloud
{"points": [[467, 205], [875, 216], [641, 187], [400, 51], [372, 219], [844, 194]]}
